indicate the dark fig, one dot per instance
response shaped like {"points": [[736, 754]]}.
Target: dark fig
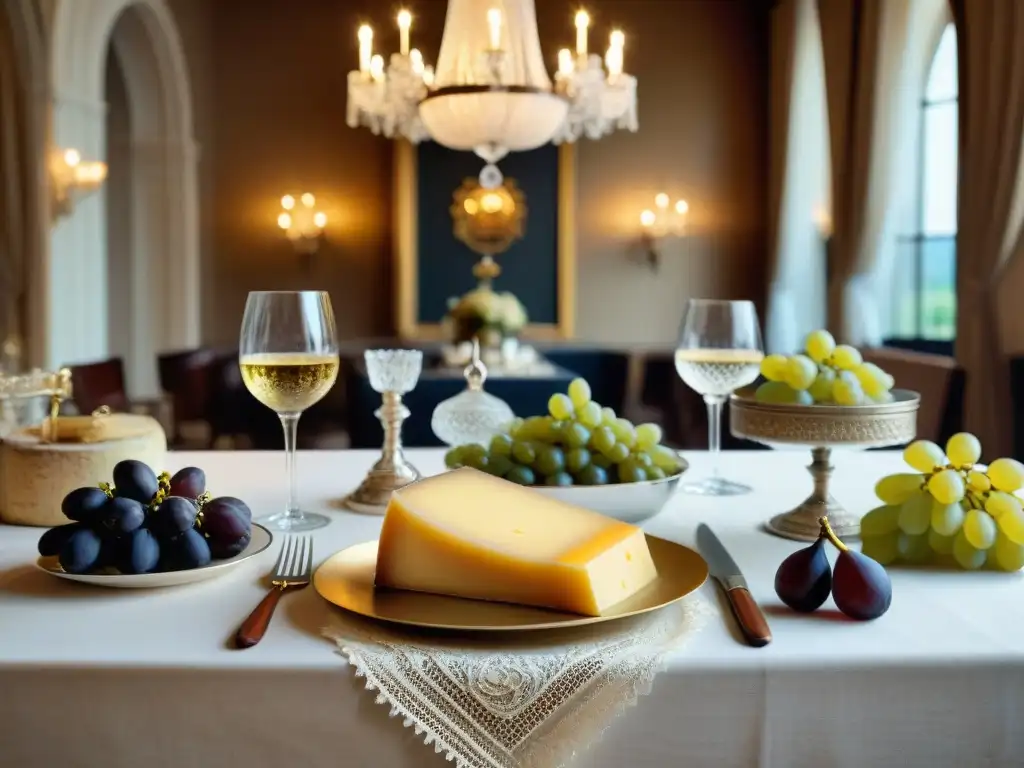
{"points": [[861, 587], [804, 579]]}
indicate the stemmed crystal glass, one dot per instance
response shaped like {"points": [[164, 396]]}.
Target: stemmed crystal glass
{"points": [[288, 354], [719, 351]]}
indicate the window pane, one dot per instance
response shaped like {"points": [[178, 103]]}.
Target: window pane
{"points": [[938, 288], [939, 178], [942, 75]]}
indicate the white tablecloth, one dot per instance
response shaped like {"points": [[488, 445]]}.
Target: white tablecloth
{"points": [[94, 677]]}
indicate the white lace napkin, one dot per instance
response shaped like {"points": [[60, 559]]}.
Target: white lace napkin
{"points": [[530, 700]]}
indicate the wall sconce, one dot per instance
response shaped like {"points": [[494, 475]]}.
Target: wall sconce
{"points": [[72, 180], [302, 223], [663, 221]]}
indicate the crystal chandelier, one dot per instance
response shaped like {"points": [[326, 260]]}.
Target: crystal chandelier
{"points": [[490, 92]]}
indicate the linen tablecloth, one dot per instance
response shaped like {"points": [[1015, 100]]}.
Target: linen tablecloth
{"points": [[94, 677]]}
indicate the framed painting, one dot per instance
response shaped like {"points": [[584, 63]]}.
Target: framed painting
{"points": [[432, 266]]}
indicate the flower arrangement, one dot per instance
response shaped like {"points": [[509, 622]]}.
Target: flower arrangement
{"points": [[486, 314]]}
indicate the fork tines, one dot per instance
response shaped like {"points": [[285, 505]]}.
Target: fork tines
{"points": [[296, 559]]}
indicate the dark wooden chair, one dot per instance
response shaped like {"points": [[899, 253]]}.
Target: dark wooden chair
{"points": [[97, 384], [184, 377]]}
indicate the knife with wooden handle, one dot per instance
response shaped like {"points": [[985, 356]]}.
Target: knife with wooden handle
{"points": [[725, 571]]}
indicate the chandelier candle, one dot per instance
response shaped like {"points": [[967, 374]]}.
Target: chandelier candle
{"points": [[582, 22], [404, 23], [365, 36]]}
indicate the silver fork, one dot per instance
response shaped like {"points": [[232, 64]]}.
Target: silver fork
{"points": [[292, 571]]}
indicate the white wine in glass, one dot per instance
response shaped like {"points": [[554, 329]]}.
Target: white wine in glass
{"points": [[288, 356], [719, 351]]}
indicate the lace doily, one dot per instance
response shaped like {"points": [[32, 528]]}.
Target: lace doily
{"points": [[519, 701]]}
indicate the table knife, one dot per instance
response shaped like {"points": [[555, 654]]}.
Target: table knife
{"points": [[725, 571]]}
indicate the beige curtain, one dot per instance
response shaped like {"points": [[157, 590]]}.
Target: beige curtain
{"points": [[991, 204], [865, 43], [797, 177]]}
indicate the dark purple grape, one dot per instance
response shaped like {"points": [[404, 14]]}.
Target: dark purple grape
{"points": [[860, 586], [222, 550], [135, 480], [174, 515], [121, 516], [138, 552], [227, 523], [804, 579], [81, 551], [84, 505], [189, 483], [230, 501], [53, 540], [185, 551]]}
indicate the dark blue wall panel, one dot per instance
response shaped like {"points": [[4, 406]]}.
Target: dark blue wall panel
{"points": [[529, 269]]}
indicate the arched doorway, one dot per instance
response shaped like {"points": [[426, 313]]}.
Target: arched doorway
{"points": [[159, 228]]}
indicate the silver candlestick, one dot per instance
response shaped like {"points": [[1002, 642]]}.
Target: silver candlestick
{"points": [[393, 373]]}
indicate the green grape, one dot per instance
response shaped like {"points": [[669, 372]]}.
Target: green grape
{"points": [[947, 486], [479, 461], [472, 450], [514, 426], [880, 521], [642, 459], [819, 345], [963, 449], [629, 472], [648, 435], [774, 367], [966, 555], [575, 435], [560, 406], [625, 432], [1009, 554], [608, 416], [501, 445], [550, 460], [453, 457], [882, 549], [872, 379], [980, 529], [576, 459], [1006, 474], [978, 481], [602, 438], [941, 545], [499, 465], [1011, 525], [592, 475], [999, 504], [916, 514], [589, 414], [655, 473], [531, 428], [947, 519], [617, 452], [846, 358], [885, 397], [579, 392], [666, 458], [559, 478], [801, 372], [913, 549], [524, 452], [846, 390], [821, 390], [780, 393], [924, 456], [600, 460], [895, 489], [521, 475]]}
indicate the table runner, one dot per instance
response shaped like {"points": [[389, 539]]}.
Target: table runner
{"points": [[524, 700]]}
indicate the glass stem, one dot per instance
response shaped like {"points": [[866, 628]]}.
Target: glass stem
{"points": [[290, 422], [714, 403]]}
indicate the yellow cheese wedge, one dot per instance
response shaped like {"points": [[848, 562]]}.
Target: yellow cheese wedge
{"points": [[468, 534]]}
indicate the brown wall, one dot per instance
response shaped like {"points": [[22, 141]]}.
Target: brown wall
{"points": [[270, 82]]}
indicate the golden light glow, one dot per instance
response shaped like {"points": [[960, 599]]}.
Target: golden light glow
{"points": [[661, 200], [565, 65], [582, 19], [617, 38], [494, 27], [377, 67], [491, 202], [365, 34], [404, 22], [72, 157], [404, 19], [308, 200], [682, 207], [582, 22], [287, 202], [320, 219], [471, 206], [284, 221], [647, 218]]}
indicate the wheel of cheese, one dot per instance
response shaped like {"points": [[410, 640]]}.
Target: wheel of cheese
{"points": [[36, 475]]}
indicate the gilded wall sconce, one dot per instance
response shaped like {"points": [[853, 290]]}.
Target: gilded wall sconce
{"points": [[71, 180], [302, 224], [663, 221]]}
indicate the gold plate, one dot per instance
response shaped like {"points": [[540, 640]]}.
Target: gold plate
{"points": [[346, 579]]}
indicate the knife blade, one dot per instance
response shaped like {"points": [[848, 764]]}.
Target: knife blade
{"points": [[724, 570]]}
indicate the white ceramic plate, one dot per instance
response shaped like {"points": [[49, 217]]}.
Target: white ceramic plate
{"points": [[261, 539]]}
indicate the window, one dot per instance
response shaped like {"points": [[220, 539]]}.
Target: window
{"points": [[925, 297]]}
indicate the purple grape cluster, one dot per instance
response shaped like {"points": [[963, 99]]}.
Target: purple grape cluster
{"points": [[145, 523]]}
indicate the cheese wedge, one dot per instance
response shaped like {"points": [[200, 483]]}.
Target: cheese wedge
{"points": [[468, 534]]}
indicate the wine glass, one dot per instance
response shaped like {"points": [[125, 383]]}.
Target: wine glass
{"points": [[719, 351], [289, 359]]}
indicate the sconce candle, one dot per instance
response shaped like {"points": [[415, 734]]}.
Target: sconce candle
{"points": [[302, 223], [494, 26], [661, 222], [72, 179]]}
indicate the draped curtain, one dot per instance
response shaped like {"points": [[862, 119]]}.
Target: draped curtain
{"points": [[991, 205], [797, 177]]}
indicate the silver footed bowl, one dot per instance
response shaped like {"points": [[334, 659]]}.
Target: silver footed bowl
{"points": [[628, 502]]}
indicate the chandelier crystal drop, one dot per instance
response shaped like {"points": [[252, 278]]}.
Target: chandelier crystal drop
{"points": [[490, 92]]}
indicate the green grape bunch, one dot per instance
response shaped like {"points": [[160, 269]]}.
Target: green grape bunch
{"points": [[578, 442], [828, 373], [951, 508]]}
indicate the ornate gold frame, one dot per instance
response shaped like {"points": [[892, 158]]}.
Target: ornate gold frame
{"points": [[406, 215]]}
